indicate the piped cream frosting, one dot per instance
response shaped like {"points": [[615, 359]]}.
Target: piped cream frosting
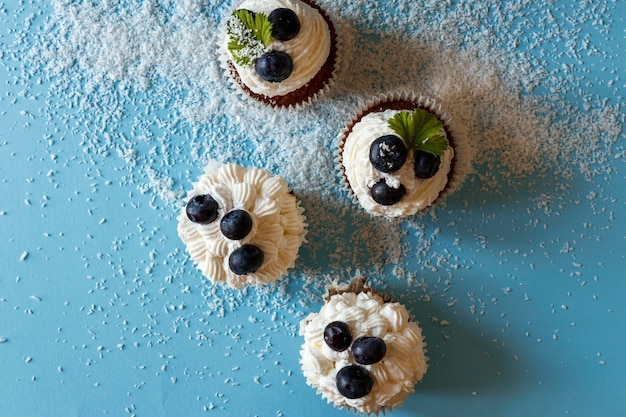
{"points": [[278, 224], [366, 313]]}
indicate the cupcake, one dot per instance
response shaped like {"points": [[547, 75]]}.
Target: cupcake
{"points": [[361, 351], [241, 226], [280, 52], [400, 155]]}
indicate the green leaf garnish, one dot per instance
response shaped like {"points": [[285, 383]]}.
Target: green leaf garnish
{"points": [[249, 36], [421, 130]]}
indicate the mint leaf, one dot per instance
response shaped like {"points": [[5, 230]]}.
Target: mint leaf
{"points": [[258, 23], [401, 124], [249, 36], [421, 130]]}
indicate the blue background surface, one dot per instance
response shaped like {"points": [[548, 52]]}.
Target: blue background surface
{"points": [[101, 312]]}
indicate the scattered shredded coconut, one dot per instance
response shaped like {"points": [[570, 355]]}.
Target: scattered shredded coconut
{"points": [[138, 83]]}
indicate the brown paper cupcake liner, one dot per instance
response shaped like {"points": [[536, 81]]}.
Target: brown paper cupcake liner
{"points": [[356, 285]]}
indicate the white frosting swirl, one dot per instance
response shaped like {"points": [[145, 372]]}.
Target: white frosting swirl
{"points": [[361, 175], [366, 314], [309, 50], [278, 226]]}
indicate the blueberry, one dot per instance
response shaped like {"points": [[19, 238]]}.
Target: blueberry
{"points": [[388, 153], [385, 195], [245, 259], [236, 224], [426, 164], [274, 66], [354, 381], [202, 209], [285, 24], [367, 350], [337, 336]]}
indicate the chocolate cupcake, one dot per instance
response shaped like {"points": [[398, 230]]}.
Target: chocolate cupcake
{"points": [[361, 351], [400, 155], [283, 53], [241, 226]]}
